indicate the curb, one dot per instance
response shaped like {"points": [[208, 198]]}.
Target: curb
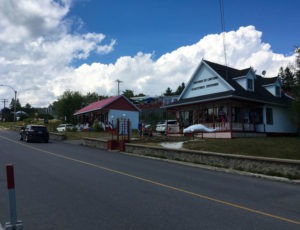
{"points": [[220, 169]]}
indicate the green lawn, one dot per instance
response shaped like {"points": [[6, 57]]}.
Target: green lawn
{"points": [[79, 135], [276, 147]]}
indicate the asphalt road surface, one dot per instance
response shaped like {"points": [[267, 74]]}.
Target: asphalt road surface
{"points": [[68, 186]]}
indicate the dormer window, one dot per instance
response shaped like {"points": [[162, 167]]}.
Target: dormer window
{"points": [[273, 85], [250, 84]]}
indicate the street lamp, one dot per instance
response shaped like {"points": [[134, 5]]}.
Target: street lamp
{"points": [[15, 105]]}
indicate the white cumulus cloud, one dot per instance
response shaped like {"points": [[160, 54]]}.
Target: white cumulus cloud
{"points": [[37, 49], [142, 74]]}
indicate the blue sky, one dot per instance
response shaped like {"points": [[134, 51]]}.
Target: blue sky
{"points": [[86, 45], [161, 26]]}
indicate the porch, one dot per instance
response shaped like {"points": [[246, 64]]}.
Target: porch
{"points": [[230, 118]]}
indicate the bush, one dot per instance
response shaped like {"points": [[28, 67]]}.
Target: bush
{"points": [[29, 120], [97, 126]]}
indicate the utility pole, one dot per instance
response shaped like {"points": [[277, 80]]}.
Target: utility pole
{"points": [[4, 102], [221, 4], [118, 81], [2, 118], [15, 104]]}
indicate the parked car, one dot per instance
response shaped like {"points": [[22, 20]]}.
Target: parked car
{"points": [[173, 126], [64, 127], [34, 133]]}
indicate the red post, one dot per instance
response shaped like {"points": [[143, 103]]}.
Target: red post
{"points": [[10, 176], [14, 223]]}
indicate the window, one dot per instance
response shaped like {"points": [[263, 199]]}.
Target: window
{"points": [[250, 84], [172, 122], [269, 116], [258, 116]]}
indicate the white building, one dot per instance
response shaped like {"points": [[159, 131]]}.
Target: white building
{"points": [[235, 102]]}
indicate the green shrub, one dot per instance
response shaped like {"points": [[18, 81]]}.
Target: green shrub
{"points": [[97, 127]]}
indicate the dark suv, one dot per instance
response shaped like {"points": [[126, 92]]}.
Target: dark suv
{"points": [[34, 133]]}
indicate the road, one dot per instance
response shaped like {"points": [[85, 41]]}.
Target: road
{"points": [[67, 186]]}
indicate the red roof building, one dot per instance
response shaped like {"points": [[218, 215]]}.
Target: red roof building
{"points": [[110, 109]]}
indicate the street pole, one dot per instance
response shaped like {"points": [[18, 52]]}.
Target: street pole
{"points": [[118, 81], [15, 107], [15, 104], [14, 223]]}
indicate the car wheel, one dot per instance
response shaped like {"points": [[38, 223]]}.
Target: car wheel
{"points": [[46, 140]]}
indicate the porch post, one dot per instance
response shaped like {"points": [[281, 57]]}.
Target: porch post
{"points": [[214, 125], [167, 122], [230, 115], [253, 119], [243, 117]]}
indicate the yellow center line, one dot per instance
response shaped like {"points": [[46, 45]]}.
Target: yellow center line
{"points": [[159, 184]]}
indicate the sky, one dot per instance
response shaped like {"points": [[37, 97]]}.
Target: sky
{"points": [[50, 46]]}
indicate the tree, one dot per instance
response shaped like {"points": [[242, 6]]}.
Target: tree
{"points": [[296, 105], [291, 84], [297, 51], [6, 114], [67, 104], [287, 78], [12, 105], [128, 93], [90, 97], [168, 92], [296, 90], [180, 89], [29, 110]]}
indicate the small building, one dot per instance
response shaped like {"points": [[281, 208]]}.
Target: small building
{"points": [[151, 111], [235, 102], [109, 110]]}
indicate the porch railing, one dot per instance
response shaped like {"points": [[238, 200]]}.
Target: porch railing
{"points": [[236, 126]]}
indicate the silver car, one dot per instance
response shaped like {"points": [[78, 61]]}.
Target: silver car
{"points": [[64, 127], [173, 126]]}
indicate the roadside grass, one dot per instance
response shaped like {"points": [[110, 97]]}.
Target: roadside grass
{"points": [[274, 147], [90, 134]]}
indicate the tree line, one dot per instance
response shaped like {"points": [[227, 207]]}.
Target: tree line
{"points": [[290, 79], [67, 104]]}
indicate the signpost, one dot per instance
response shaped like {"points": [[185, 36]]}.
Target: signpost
{"points": [[14, 224]]}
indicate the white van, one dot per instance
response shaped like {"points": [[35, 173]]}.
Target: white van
{"points": [[173, 126]]}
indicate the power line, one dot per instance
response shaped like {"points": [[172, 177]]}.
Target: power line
{"points": [[221, 4]]}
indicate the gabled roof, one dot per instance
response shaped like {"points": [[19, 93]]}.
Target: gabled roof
{"points": [[102, 104], [269, 81], [226, 70], [260, 94]]}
